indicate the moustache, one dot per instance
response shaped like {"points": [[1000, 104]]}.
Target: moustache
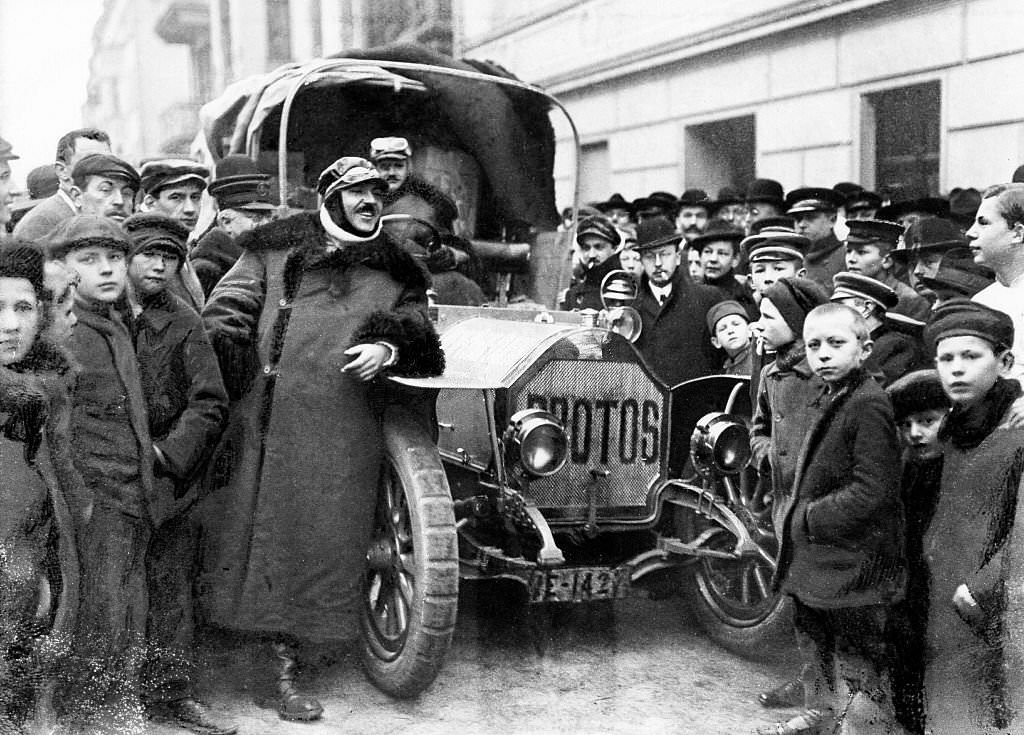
{"points": [[366, 209]]}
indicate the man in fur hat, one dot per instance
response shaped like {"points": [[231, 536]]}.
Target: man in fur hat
{"points": [[303, 447]]}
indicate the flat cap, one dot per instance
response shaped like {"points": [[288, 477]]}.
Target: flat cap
{"points": [[244, 191], [847, 188], [873, 231], [41, 183], [961, 317], [107, 165], [20, 259], [862, 200], [813, 199], [160, 174], [854, 285], [718, 230], [765, 190], [7, 151], [775, 243], [615, 201], [920, 390], [393, 147], [154, 230], [83, 231], [723, 309], [599, 226], [781, 221], [932, 235], [654, 232], [346, 172]]}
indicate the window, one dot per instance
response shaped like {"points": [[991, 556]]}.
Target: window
{"points": [[720, 153], [900, 150]]}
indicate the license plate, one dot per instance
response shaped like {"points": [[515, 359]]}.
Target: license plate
{"points": [[579, 584]]}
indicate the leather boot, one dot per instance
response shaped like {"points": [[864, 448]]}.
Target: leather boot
{"points": [[291, 705]]}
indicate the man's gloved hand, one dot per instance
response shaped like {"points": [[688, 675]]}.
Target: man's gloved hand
{"points": [[441, 260]]}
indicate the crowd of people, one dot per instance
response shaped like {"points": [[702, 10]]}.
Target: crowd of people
{"points": [[887, 420], [169, 346], [152, 375]]}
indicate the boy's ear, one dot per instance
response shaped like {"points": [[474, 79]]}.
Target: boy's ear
{"points": [[1005, 362], [887, 262], [715, 342], [801, 272], [867, 346], [76, 195]]}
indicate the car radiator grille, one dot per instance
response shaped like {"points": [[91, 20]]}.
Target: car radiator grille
{"points": [[614, 416]]}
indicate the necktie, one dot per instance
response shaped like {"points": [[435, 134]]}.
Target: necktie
{"points": [[663, 298]]}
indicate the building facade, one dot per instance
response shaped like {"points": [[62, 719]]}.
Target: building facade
{"points": [[913, 96]]}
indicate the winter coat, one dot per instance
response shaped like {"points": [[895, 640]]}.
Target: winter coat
{"points": [[113, 450], [842, 531], [294, 482], [213, 256], [43, 218], [911, 303], [185, 397], [966, 673], [675, 340], [786, 407], [586, 292], [43, 499], [826, 257]]}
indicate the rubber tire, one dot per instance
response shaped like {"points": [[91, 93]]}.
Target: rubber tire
{"points": [[413, 457], [763, 640]]}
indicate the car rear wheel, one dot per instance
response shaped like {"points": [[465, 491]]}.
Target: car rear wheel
{"points": [[411, 586]]}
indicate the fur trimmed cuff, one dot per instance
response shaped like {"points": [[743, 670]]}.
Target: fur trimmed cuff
{"points": [[419, 348]]}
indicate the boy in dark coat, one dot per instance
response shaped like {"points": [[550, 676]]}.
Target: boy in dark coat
{"points": [[187, 408], [920, 406], [841, 554], [114, 454], [969, 680], [785, 405]]}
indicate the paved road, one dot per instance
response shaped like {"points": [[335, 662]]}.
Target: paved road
{"points": [[633, 667]]}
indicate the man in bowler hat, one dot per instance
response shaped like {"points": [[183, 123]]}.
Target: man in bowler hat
{"points": [[675, 340]]}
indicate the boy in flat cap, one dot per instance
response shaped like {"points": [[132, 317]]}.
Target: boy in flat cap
{"points": [[972, 544], [245, 199], [814, 211], [174, 187], [919, 406], [869, 246], [113, 451], [784, 406], [187, 408], [675, 340], [596, 242], [303, 447], [840, 526], [897, 348], [105, 185], [730, 332]]}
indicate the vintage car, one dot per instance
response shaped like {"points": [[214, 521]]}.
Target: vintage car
{"points": [[557, 459]]}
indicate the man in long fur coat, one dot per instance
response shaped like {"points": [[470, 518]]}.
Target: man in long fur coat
{"points": [[319, 306]]}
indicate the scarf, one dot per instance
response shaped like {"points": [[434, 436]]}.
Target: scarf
{"points": [[967, 427], [789, 356]]}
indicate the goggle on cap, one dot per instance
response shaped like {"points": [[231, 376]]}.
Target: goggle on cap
{"points": [[345, 173]]}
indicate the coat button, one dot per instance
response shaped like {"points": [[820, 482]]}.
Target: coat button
{"points": [[266, 369], [283, 302]]}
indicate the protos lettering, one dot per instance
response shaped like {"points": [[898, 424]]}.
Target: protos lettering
{"points": [[624, 430]]}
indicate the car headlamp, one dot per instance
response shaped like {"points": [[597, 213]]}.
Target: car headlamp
{"points": [[720, 443], [537, 442]]}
